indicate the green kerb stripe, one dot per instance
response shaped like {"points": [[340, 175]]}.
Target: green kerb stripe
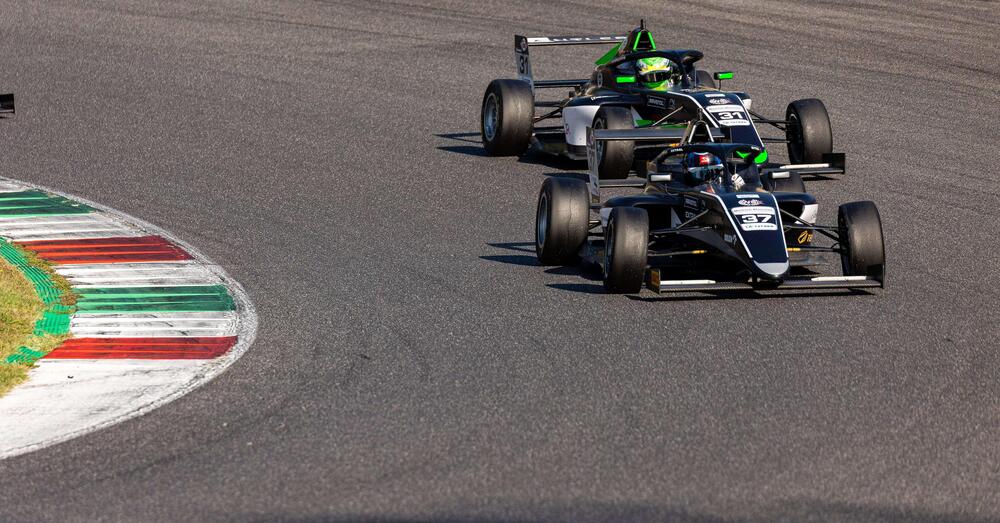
{"points": [[38, 203], [193, 298]]}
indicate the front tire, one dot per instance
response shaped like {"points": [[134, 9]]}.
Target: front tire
{"points": [[505, 121], [861, 240], [614, 158], [626, 241], [809, 132], [562, 220]]}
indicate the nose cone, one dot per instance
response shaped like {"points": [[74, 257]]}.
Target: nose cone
{"points": [[771, 271]]}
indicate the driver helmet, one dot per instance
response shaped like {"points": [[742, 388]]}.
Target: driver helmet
{"points": [[655, 73], [702, 168]]}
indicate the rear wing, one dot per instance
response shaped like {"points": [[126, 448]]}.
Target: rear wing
{"points": [[523, 60], [660, 135], [833, 163], [7, 103]]}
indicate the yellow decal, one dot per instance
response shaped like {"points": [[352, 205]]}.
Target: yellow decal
{"points": [[805, 237]]}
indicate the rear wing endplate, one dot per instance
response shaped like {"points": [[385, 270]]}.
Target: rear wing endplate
{"points": [[7, 103], [523, 60]]}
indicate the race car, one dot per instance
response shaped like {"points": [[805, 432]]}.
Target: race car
{"points": [[705, 220], [636, 85], [7, 103]]}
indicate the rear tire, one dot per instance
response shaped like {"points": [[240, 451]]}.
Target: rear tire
{"points": [[861, 239], [809, 132], [626, 241], [562, 220], [614, 158], [505, 121], [705, 79]]}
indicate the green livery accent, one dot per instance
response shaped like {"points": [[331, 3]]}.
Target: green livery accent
{"points": [[638, 38], [193, 298], [724, 76], [625, 79], [643, 123], [610, 55], [760, 158], [38, 203]]}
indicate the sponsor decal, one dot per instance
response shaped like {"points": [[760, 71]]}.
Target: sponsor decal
{"points": [[656, 102], [729, 238], [714, 95], [718, 101], [746, 195], [805, 237], [750, 202], [722, 108], [752, 210], [750, 227]]}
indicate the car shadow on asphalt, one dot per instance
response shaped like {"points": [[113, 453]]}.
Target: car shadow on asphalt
{"points": [[514, 246], [749, 295], [532, 157]]}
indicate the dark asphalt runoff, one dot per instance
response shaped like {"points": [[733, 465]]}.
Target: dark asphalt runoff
{"points": [[414, 363]]}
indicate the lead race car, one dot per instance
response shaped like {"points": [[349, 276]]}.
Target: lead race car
{"points": [[704, 221], [636, 85]]}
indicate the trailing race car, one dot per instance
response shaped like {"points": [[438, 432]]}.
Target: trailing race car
{"points": [[636, 85], [7, 103], [705, 221]]}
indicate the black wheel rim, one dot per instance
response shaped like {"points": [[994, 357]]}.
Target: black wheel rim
{"points": [[491, 117], [541, 221]]}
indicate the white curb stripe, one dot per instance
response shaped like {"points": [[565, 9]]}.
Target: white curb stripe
{"points": [[6, 186], [69, 227], [154, 325], [137, 274], [71, 397]]}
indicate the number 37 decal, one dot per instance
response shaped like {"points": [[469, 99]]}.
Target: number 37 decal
{"points": [[756, 218]]}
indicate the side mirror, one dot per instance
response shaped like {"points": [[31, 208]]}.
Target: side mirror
{"points": [[723, 75]]}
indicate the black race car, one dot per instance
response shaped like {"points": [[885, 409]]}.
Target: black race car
{"points": [[728, 232], [636, 85], [7, 103]]}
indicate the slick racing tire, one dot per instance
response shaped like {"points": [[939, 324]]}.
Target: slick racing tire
{"points": [[614, 158], [705, 79], [626, 240], [793, 183], [809, 133], [562, 220], [505, 119], [863, 249]]}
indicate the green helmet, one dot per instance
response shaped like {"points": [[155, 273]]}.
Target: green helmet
{"points": [[655, 73]]}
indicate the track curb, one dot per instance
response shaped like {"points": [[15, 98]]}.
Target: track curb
{"points": [[192, 374]]}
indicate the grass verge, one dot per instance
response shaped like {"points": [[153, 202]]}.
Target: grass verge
{"points": [[26, 308]]}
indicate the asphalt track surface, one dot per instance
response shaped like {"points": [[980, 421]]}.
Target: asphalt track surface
{"points": [[414, 363]]}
